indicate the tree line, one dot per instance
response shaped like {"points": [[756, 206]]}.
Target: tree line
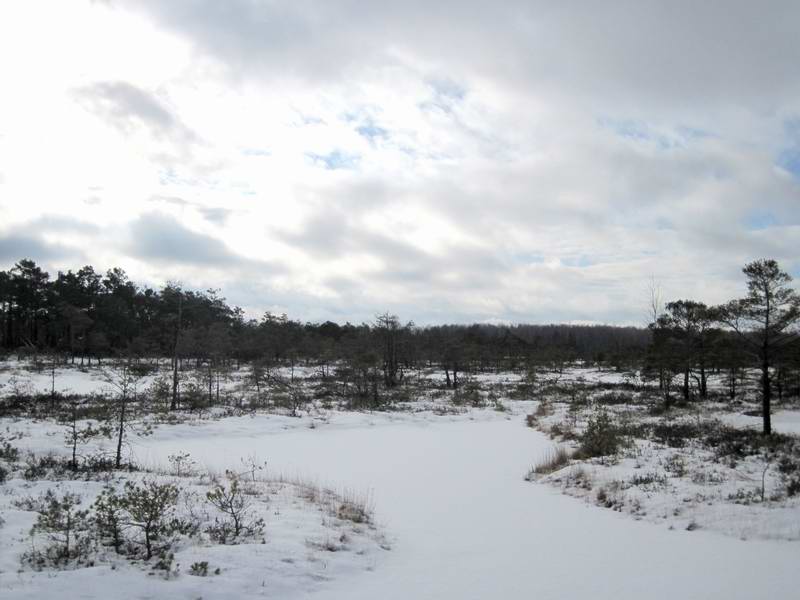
{"points": [[87, 316]]}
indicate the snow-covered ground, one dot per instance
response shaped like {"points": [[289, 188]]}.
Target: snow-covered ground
{"points": [[466, 526], [450, 497]]}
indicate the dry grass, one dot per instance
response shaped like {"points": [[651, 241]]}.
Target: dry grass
{"points": [[555, 459]]}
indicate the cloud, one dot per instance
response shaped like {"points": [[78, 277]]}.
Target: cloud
{"points": [[162, 239], [721, 51], [15, 246], [128, 108]]}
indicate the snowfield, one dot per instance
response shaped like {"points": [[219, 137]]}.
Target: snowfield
{"points": [[465, 525]]}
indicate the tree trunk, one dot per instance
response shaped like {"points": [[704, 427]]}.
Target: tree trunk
{"points": [[120, 433], [766, 396]]}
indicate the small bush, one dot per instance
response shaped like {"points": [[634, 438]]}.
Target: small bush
{"points": [[109, 519], [735, 444], [650, 479], [789, 468], [9, 452], [468, 395], [676, 465], [565, 430], [601, 437], [65, 526], [199, 569], [613, 398], [678, 433], [48, 466], [150, 507], [234, 504]]}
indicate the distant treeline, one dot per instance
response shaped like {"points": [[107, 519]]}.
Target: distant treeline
{"points": [[88, 315]]}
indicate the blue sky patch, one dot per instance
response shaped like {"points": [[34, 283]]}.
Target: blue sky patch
{"points": [[335, 160], [757, 220]]}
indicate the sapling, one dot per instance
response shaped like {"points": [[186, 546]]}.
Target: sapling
{"points": [[149, 508], [76, 434], [235, 505], [63, 523], [124, 381]]}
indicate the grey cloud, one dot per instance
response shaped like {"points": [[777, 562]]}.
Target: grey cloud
{"points": [[731, 51], [16, 246], [216, 215], [128, 107], [162, 239]]}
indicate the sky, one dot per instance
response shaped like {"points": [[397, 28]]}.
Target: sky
{"points": [[456, 161]]}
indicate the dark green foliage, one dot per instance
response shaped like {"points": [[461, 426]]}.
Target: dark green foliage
{"points": [[601, 437], [65, 526], [150, 509], [734, 444], [199, 569], [109, 519], [46, 466], [677, 434]]}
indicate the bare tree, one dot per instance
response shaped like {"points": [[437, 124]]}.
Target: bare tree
{"points": [[124, 380]]}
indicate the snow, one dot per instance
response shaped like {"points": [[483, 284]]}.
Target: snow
{"points": [[449, 494], [465, 525], [783, 421]]}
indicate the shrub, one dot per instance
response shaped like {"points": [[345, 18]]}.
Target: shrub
{"points": [[66, 528], [45, 467], [601, 437], [676, 465], [150, 508], [109, 518], [182, 464], [789, 468], [677, 434], [735, 443], [9, 452], [199, 569], [650, 479], [468, 394], [232, 502], [565, 430], [614, 397]]}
